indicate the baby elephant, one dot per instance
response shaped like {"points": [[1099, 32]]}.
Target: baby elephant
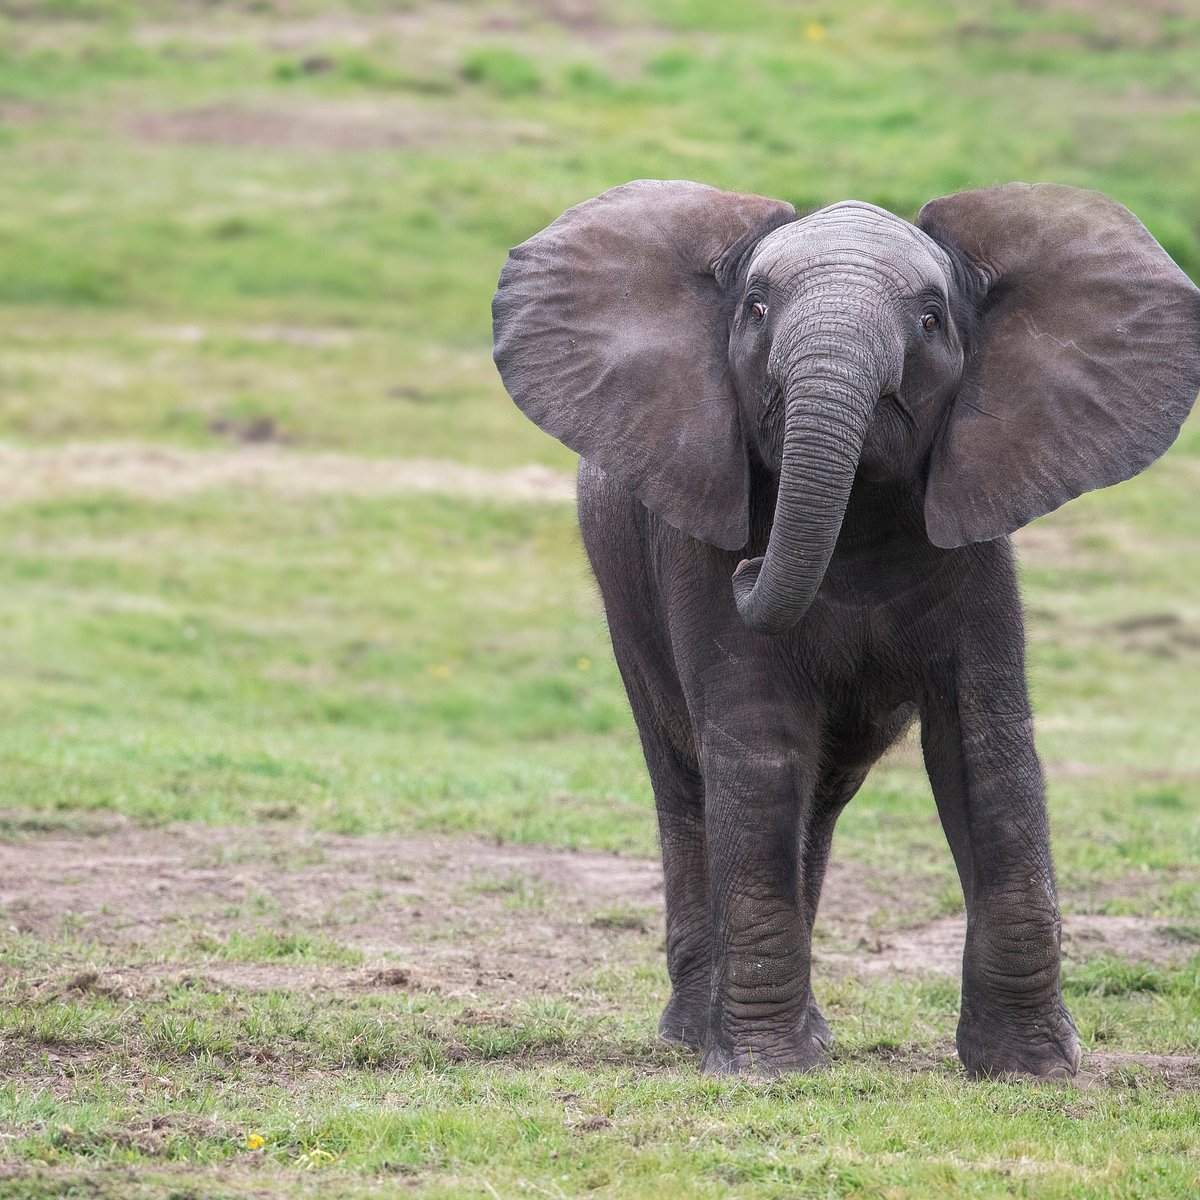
{"points": [[847, 414]]}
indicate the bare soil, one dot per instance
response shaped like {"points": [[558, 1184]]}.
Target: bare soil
{"points": [[457, 916], [178, 1181], [321, 126], [429, 31], [1177, 1071], [157, 472]]}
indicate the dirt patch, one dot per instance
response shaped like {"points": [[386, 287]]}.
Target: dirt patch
{"points": [[337, 29], [194, 1180], [20, 112], [1176, 1071], [229, 124], [936, 947], [163, 472], [1047, 544], [1101, 26], [431, 32], [306, 336], [452, 916], [1138, 939], [329, 125], [1159, 634], [457, 916]]}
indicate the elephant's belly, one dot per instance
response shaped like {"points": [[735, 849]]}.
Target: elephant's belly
{"points": [[857, 734]]}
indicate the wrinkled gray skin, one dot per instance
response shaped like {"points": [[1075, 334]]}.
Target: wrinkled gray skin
{"points": [[846, 414]]}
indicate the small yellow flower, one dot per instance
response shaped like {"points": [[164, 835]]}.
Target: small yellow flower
{"points": [[255, 1141], [814, 31], [440, 671], [583, 663]]}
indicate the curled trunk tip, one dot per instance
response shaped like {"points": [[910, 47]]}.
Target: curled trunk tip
{"points": [[826, 422], [760, 616]]}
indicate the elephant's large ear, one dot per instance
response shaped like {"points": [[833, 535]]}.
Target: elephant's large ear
{"points": [[612, 333], [1083, 365]]}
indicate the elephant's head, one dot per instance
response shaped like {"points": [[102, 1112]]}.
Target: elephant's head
{"points": [[1017, 346]]}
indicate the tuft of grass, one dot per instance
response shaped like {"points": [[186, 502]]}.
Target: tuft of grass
{"points": [[1111, 976], [275, 945], [505, 71], [624, 917]]}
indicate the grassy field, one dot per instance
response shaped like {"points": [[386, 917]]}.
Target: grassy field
{"points": [[314, 761]]}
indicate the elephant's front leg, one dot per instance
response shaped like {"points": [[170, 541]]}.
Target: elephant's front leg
{"points": [[760, 1017], [988, 785]]}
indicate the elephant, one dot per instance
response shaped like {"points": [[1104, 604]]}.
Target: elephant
{"points": [[804, 442]]}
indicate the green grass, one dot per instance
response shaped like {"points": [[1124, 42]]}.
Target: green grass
{"points": [[229, 222], [425, 662], [365, 664], [584, 1100], [157, 212]]}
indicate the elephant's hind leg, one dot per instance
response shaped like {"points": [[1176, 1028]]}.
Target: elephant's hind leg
{"points": [[618, 533], [836, 787], [679, 798], [679, 801], [834, 791]]}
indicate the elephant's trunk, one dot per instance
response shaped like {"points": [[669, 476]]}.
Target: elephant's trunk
{"points": [[828, 408]]}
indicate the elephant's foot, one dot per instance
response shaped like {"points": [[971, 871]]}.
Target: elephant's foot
{"points": [[1039, 1044], [768, 1051], [819, 1026], [684, 1021]]}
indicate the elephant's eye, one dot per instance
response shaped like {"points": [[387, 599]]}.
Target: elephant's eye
{"points": [[930, 321], [759, 310]]}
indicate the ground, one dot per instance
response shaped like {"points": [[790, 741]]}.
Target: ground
{"points": [[462, 917], [327, 857], [259, 958]]}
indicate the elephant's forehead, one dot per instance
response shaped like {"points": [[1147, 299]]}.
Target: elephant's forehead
{"points": [[858, 234]]}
